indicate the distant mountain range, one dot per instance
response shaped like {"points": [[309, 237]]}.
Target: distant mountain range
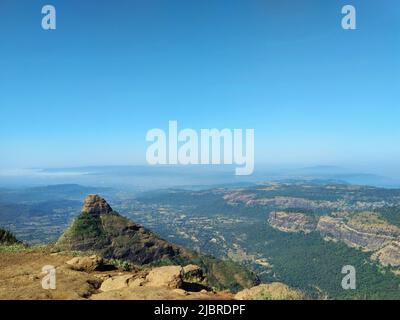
{"points": [[133, 178]]}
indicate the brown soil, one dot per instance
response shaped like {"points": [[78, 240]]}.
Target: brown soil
{"points": [[21, 277]]}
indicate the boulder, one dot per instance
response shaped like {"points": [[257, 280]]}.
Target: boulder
{"points": [[85, 263], [137, 282], [96, 205], [167, 276], [116, 283]]}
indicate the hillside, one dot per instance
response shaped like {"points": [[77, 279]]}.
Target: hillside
{"points": [[280, 231], [101, 230], [105, 256]]}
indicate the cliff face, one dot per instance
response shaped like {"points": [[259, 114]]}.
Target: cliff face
{"points": [[364, 231], [367, 241], [389, 255], [292, 222]]}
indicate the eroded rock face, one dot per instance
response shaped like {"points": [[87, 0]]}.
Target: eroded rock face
{"points": [[168, 276], [270, 291], [365, 231], [335, 227], [292, 222], [389, 255], [281, 202], [95, 205], [85, 263]]}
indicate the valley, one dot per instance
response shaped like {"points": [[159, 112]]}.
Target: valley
{"points": [[299, 233]]}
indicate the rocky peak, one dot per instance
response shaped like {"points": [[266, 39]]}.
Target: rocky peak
{"points": [[96, 205]]}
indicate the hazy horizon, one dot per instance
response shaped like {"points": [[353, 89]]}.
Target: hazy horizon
{"points": [[169, 176]]}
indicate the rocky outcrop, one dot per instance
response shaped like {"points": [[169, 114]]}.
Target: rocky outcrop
{"points": [[101, 230], [95, 205], [389, 255], [85, 263], [281, 202], [365, 231], [292, 222], [117, 282], [167, 276], [367, 241]]}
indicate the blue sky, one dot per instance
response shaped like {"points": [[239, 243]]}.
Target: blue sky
{"points": [[87, 92]]}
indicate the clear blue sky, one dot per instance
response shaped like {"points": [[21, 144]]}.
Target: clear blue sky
{"points": [[86, 93]]}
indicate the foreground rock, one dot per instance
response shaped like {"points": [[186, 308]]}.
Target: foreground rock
{"points": [[21, 277], [168, 276], [85, 263], [151, 293], [116, 282]]}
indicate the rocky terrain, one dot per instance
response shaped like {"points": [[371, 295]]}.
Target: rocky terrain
{"points": [[104, 256], [297, 233], [101, 276], [292, 222], [89, 277], [100, 230]]}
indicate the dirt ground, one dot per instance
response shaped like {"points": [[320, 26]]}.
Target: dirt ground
{"points": [[21, 278]]}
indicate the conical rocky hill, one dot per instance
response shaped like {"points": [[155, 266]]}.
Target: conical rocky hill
{"points": [[101, 230]]}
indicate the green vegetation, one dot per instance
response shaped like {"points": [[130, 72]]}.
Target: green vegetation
{"points": [[87, 226], [7, 238], [220, 274], [121, 264], [307, 262], [391, 214], [314, 266], [12, 248], [205, 221]]}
